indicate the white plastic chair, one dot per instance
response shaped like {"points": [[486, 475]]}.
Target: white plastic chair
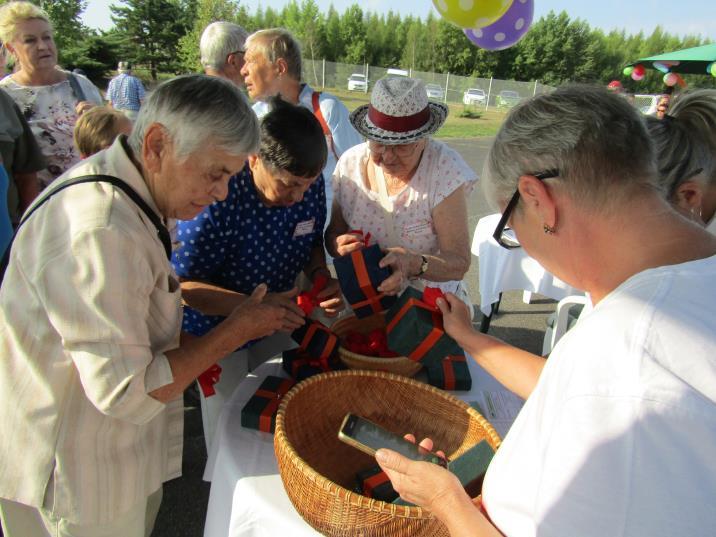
{"points": [[561, 320]]}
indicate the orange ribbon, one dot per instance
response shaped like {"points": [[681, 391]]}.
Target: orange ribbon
{"points": [[372, 297], [270, 409], [330, 344], [431, 339], [373, 482]]}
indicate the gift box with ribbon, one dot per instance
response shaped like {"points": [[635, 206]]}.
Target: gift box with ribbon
{"points": [[373, 483], [260, 411], [415, 328], [308, 300], [359, 276], [317, 341], [451, 373], [300, 365]]}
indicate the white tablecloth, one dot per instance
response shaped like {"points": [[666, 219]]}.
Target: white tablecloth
{"points": [[247, 497], [508, 270]]}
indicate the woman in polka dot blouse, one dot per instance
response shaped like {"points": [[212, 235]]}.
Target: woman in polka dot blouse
{"points": [[267, 230]]}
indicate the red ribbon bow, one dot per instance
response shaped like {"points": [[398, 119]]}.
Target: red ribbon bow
{"points": [[374, 343], [431, 295], [208, 378], [365, 236], [308, 300]]}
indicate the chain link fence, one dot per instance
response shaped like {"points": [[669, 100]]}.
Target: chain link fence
{"points": [[482, 93]]}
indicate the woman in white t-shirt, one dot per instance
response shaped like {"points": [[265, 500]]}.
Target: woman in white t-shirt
{"points": [[618, 431], [405, 189], [50, 99]]}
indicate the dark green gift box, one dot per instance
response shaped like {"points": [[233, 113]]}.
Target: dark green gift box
{"points": [[416, 330], [452, 373], [374, 483], [317, 340], [260, 411], [359, 277], [300, 365]]}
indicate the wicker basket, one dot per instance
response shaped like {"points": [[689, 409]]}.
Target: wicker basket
{"points": [[400, 365], [318, 470]]}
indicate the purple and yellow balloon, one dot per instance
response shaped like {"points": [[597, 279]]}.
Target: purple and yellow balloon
{"points": [[508, 29], [472, 13]]}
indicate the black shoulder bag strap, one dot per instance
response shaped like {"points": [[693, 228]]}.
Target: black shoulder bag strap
{"points": [[162, 231], [76, 88]]}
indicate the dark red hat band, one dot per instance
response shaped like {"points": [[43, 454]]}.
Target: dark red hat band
{"points": [[398, 124]]}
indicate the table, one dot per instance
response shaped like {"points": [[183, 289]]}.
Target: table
{"points": [[504, 270], [247, 497]]}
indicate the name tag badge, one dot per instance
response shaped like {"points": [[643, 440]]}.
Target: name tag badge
{"points": [[304, 228], [419, 228]]}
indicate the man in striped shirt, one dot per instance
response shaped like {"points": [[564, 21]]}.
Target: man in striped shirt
{"points": [[126, 92]]}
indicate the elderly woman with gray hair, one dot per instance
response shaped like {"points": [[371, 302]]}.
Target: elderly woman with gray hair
{"points": [[93, 368], [685, 141], [618, 430]]}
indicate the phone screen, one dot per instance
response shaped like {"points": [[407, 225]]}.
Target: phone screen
{"points": [[370, 437]]}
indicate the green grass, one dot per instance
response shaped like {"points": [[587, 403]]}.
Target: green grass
{"points": [[487, 124]]}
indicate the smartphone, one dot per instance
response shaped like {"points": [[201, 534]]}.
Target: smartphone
{"points": [[369, 437]]}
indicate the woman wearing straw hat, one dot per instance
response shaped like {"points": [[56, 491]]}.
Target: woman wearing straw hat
{"points": [[405, 189]]}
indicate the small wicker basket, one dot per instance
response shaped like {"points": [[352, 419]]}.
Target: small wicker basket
{"points": [[400, 365], [318, 470]]}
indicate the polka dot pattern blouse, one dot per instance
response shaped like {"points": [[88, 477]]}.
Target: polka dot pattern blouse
{"points": [[240, 243]]}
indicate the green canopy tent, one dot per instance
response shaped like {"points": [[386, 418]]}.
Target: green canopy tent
{"points": [[690, 60]]}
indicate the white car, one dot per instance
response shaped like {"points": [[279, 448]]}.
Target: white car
{"points": [[357, 82], [434, 91], [474, 96]]}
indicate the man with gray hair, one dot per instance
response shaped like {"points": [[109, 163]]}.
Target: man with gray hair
{"points": [[273, 66], [126, 92], [222, 50]]}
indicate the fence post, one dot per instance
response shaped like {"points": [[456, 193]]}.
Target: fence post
{"points": [[447, 83], [535, 90], [489, 92], [323, 74], [367, 81]]}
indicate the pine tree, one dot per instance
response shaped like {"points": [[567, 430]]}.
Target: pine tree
{"points": [[151, 30]]}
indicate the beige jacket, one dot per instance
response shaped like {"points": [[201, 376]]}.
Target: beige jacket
{"points": [[88, 306]]}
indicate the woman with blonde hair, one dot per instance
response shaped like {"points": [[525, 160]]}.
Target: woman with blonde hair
{"points": [[51, 99]]}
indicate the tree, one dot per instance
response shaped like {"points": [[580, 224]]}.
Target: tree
{"points": [[65, 17], [151, 30], [206, 12], [334, 39], [353, 34]]}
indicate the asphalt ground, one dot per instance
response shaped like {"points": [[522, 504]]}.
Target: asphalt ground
{"points": [[183, 508]]}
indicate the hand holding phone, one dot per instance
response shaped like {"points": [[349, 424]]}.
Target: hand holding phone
{"points": [[369, 437]]}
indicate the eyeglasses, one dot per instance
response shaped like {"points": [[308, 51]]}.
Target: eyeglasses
{"points": [[503, 235], [400, 151]]}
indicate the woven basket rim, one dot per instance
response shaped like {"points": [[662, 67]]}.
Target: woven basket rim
{"points": [[333, 488]]}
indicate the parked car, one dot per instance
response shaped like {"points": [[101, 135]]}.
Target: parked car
{"points": [[507, 99], [434, 91], [396, 72], [474, 96], [357, 82]]}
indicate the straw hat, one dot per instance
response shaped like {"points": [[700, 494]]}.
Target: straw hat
{"points": [[399, 112]]}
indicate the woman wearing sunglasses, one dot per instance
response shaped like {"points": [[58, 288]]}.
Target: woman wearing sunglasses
{"points": [[618, 430]]}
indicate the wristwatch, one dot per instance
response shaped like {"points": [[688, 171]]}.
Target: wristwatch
{"points": [[423, 265]]}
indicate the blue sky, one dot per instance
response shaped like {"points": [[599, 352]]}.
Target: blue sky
{"points": [[694, 17]]}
